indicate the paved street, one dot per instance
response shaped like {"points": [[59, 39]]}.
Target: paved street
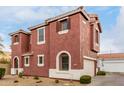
{"points": [[112, 79]]}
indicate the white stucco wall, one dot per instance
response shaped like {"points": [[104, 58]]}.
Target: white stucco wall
{"points": [[74, 74], [13, 70]]}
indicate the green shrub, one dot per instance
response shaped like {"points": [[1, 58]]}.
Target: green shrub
{"points": [[36, 77], [85, 79], [101, 73], [2, 72], [20, 74]]}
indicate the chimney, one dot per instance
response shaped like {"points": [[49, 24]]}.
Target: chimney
{"points": [[81, 7]]}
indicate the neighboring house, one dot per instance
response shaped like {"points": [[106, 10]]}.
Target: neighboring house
{"points": [[113, 62], [64, 46]]}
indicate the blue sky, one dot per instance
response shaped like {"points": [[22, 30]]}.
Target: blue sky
{"points": [[111, 18]]}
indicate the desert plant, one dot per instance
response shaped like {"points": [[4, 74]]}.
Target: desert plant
{"points": [[56, 81], [20, 74], [16, 81], [39, 81], [2, 72], [85, 79], [36, 77], [101, 73]]}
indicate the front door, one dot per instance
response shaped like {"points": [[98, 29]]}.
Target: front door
{"points": [[16, 65]]}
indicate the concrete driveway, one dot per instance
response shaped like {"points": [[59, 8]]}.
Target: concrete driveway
{"points": [[111, 79]]}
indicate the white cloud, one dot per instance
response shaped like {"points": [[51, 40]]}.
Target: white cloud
{"points": [[14, 18], [114, 40], [25, 14]]}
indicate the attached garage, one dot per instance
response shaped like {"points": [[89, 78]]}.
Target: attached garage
{"points": [[111, 62]]}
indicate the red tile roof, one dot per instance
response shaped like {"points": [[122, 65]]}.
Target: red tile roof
{"points": [[111, 56]]}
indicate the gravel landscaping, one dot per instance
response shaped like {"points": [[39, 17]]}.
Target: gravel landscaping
{"points": [[9, 80], [111, 79]]}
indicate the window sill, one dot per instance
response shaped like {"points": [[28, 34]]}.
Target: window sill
{"points": [[40, 65], [97, 44], [27, 65], [39, 43], [16, 43], [63, 32]]}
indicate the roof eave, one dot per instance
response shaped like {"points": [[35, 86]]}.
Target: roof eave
{"points": [[13, 33], [61, 16]]}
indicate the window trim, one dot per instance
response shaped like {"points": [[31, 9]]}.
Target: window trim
{"points": [[63, 32], [38, 63], [16, 43], [63, 18], [27, 65], [40, 42]]}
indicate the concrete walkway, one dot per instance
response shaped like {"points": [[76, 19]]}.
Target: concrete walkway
{"points": [[111, 79]]}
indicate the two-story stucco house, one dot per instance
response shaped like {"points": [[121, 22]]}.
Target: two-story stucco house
{"points": [[64, 46]]}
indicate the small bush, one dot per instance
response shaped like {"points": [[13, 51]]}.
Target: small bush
{"points": [[2, 72], [16, 81], [101, 73], [56, 81], [20, 74], [36, 77], [85, 79]]}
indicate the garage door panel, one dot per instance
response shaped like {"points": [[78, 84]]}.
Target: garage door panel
{"points": [[113, 67]]}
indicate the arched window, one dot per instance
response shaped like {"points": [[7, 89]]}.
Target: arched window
{"points": [[64, 62], [16, 62]]}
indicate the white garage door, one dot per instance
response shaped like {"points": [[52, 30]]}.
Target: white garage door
{"points": [[113, 66], [89, 67]]}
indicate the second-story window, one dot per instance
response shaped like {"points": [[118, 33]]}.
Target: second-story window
{"points": [[16, 39], [97, 37], [41, 35], [64, 24]]}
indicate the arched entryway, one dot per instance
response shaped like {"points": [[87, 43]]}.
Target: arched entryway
{"points": [[63, 61], [16, 64]]}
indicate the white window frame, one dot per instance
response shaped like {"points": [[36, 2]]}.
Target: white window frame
{"points": [[38, 64], [40, 42], [26, 65], [16, 43], [63, 32]]}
